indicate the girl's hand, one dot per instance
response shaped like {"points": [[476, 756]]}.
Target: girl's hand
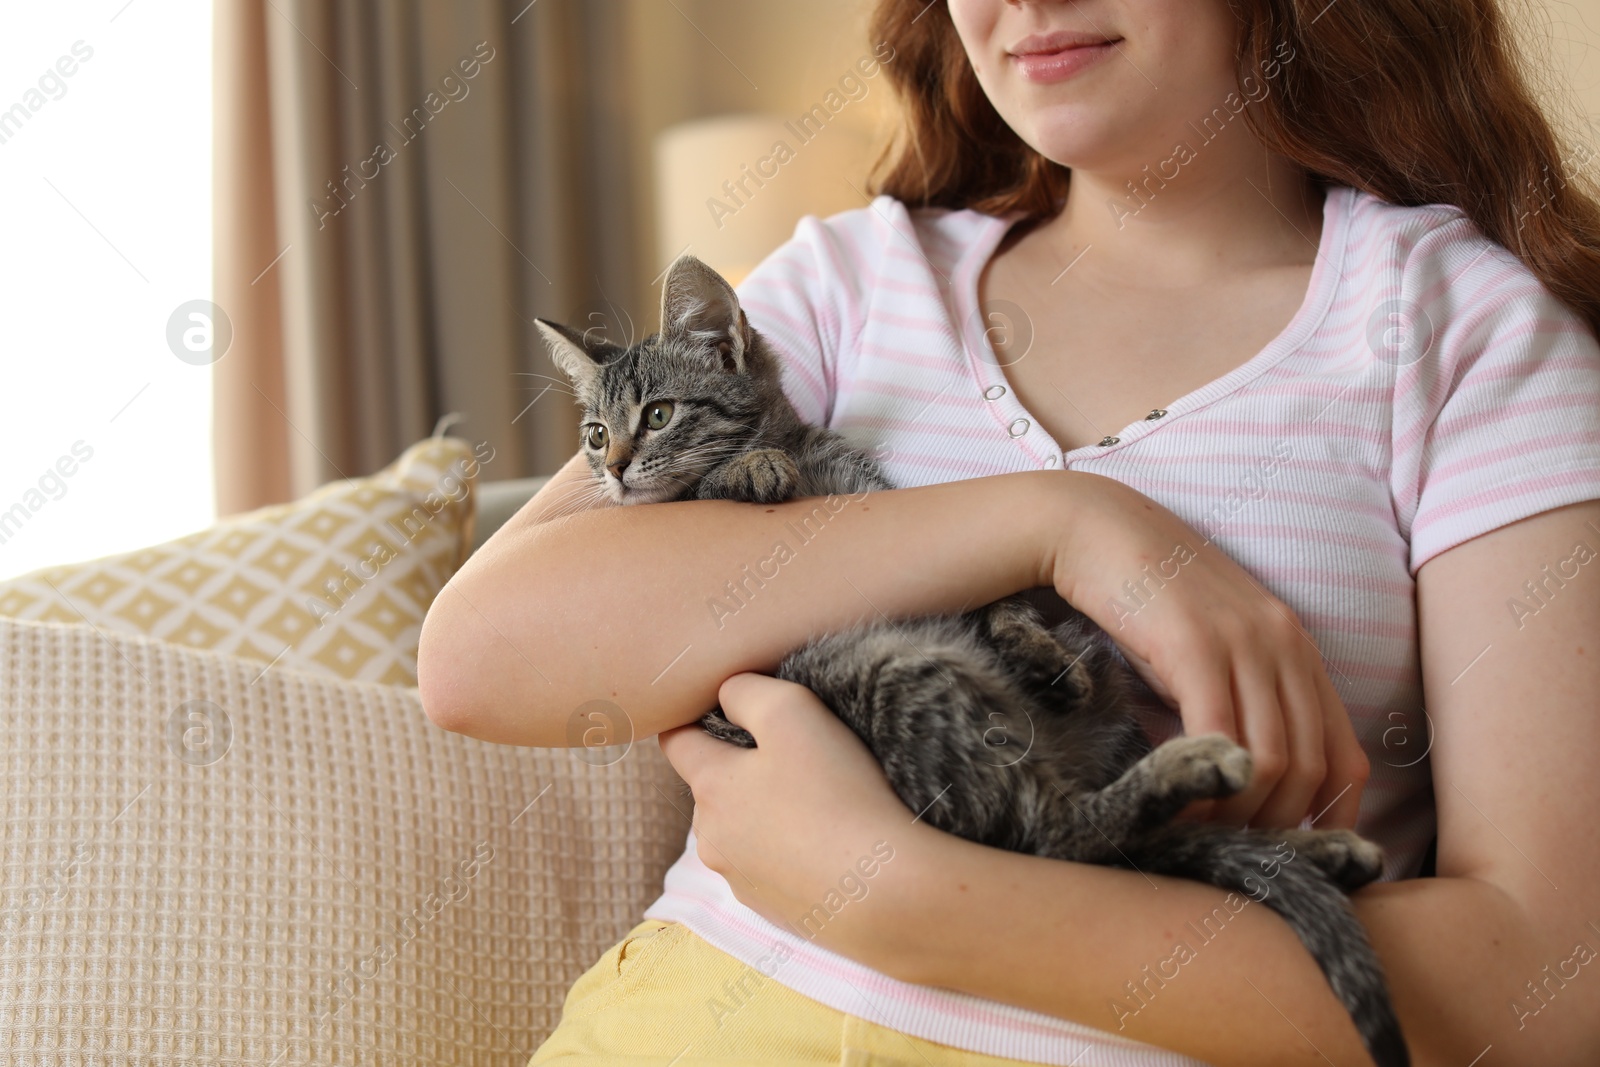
{"points": [[1212, 642], [798, 822]]}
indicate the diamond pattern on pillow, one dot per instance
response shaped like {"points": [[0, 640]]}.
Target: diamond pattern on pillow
{"points": [[336, 582]]}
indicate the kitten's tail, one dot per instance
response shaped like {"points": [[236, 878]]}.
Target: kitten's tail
{"points": [[1252, 863]]}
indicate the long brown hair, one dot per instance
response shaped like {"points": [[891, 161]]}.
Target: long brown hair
{"points": [[1413, 101]]}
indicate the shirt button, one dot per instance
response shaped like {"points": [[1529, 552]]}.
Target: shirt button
{"points": [[1155, 413], [1105, 441], [994, 392], [1018, 427]]}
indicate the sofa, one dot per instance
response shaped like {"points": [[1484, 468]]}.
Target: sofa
{"points": [[211, 858]]}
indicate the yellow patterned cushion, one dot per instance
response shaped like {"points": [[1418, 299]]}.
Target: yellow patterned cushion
{"points": [[336, 582]]}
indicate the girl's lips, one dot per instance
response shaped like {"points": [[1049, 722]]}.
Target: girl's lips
{"points": [[1046, 67]]}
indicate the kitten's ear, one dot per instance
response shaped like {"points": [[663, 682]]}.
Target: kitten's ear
{"points": [[569, 352], [697, 303]]}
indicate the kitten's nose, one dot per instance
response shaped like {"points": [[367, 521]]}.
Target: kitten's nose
{"points": [[617, 468]]}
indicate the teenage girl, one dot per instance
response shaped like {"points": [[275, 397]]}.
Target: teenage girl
{"points": [[1262, 332]]}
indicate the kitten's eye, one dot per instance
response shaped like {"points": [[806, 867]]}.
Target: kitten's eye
{"points": [[596, 436], [658, 414]]}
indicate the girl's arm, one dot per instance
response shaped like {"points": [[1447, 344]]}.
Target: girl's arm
{"points": [[652, 607], [1495, 958]]}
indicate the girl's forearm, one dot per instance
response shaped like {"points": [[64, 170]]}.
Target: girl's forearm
{"points": [[1180, 965], [651, 608]]}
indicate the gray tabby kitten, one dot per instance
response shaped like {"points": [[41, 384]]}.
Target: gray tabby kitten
{"points": [[697, 412]]}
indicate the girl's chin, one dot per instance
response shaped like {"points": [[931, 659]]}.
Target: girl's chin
{"points": [[1064, 136]]}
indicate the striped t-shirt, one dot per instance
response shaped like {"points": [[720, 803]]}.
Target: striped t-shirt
{"points": [[1428, 390]]}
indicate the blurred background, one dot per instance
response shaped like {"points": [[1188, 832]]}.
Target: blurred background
{"points": [[256, 245]]}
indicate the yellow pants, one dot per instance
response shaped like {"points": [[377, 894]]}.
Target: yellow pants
{"points": [[661, 996]]}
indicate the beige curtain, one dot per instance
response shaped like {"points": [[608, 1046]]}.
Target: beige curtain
{"points": [[400, 188]]}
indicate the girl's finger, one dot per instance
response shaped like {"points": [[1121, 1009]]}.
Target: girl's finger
{"points": [[738, 692], [763, 704], [1204, 701], [1286, 806], [1263, 733], [692, 752], [1199, 811], [1205, 696], [747, 698], [1338, 802]]}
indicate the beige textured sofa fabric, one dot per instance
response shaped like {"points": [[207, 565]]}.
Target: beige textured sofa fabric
{"points": [[202, 869]]}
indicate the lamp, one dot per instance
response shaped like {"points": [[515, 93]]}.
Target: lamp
{"points": [[730, 189]]}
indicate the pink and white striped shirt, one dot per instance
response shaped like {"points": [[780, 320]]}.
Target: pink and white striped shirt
{"points": [[1428, 390]]}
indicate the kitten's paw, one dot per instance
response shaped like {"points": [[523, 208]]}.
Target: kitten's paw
{"points": [[717, 725], [1346, 857], [1207, 767], [769, 474], [1017, 633], [764, 476]]}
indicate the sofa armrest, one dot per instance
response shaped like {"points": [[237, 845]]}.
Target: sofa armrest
{"points": [[498, 501], [210, 863]]}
